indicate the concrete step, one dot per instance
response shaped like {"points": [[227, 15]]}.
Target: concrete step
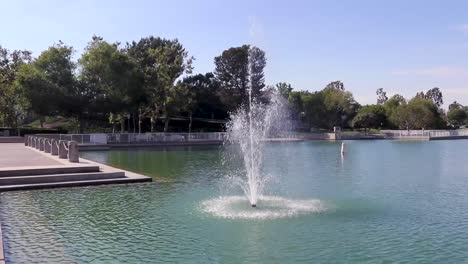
{"points": [[53, 178], [19, 187], [30, 171]]}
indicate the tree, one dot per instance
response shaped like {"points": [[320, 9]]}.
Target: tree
{"points": [[391, 106], [41, 94], [143, 53], [236, 70], [257, 63], [111, 72], [73, 97], [435, 95], [381, 96], [340, 106], [11, 101], [420, 95], [284, 89], [370, 116], [173, 61], [296, 103], [457, 114], [200, 97], [336, 85], [314, 109], [162, 62], [418, 113], [48, 82], [454, 105]]}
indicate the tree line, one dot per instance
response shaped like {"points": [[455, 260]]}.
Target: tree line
{"points": [[334, 106], [147, 83]]}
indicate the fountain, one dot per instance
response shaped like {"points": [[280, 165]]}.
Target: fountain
{"points": [[250, 127]]}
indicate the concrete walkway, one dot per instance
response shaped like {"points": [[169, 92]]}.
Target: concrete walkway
{"points": [[18, 155]]}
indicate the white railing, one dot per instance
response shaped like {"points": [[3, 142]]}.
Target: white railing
{"points": [[449, 133], [135, 138], [424, 133], [163, 137]]}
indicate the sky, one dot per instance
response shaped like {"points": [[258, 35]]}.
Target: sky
{"points": [[402, 46]]}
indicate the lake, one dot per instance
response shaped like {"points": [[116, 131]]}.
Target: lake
{"points": [[382, 202]]}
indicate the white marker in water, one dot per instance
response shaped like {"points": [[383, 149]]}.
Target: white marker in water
{"points": [[342, 148]]}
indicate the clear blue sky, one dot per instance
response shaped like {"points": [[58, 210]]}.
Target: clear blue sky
{"points": [[400, 45]]}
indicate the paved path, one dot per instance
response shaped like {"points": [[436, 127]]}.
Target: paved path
{"points": [[18, 155]]}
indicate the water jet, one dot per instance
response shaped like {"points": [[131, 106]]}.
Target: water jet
{"points": [[249, 128]]}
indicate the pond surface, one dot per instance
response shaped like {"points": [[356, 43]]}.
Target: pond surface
{"points": [[383, 202]]}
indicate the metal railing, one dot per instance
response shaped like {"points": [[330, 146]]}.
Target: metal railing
{"points": [[135, 138], [424, 133], [164, 137], [62, 148]]}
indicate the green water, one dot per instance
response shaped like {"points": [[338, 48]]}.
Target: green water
{"points": [[384, 202]]}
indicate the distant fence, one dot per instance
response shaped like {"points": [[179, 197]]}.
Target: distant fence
{"points": [[218, 137], [424, 134], [135, 138]]}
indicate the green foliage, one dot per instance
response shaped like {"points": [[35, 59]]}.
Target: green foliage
{"points": [[233, 73], [204, 96], [296, 102], [370, 116], [12, 102], [333, 106], [391, 105], [284, 89], [149, 79], [40, 92], [162, 62], [435, 95], [314, 109], [336, 85], [418, 113], [112, 75], [339, 104], [457, 114]]}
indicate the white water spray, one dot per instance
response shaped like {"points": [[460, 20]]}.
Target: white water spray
{"points": [[249, 128]]}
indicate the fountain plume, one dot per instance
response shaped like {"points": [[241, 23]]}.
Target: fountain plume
{"points": [[250, 127]]}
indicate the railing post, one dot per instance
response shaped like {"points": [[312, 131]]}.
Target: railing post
{"points": [[73, 153], [41, 144], [62, 151], [54, 147], [47, 146]]}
